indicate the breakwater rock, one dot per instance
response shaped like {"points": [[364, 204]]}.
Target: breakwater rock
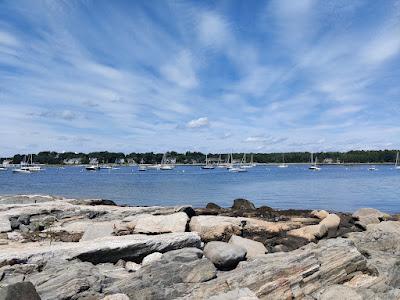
{"points": [[58, 248]]}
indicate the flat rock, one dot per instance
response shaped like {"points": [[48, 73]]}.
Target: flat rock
{"points": [[19, 291], [98, 230], [236, 294], [108, 249], [5, 225], [341, 292], [253, 248], [212, 228], [116, 297], [162, 224], [223, 255]]}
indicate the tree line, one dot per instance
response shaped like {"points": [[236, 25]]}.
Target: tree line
{"points": [[359, 156]]}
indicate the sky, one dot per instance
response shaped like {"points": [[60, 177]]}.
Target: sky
{"points": [[217, 76]]}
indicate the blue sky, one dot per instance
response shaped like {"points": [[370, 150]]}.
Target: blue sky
{"points": [[256, 76]]}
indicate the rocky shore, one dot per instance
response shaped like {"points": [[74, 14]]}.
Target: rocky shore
{"points": [[58, 248]]}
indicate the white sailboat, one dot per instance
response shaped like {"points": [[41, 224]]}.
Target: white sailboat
{"points": [[314, 164], [396, 166], [28, 166], [92, 168], [220, 164], [229, 164], [241, 167], [165, 165], [283, 165], [208, 166], [142, 167]]}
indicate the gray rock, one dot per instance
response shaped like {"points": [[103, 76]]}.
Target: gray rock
{"points": [[237, 294], [223, 255], [98, 230], [242, 204], [290, 275], [19, 291], [108, 249], [367, 216], [116, 297], [151, 258], [253, 248], [212, 205], [340, 292], [61, 279], [5, 225], [168, 278], [162, 224], [131, 266]]}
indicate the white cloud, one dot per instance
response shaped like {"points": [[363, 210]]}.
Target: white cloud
{"points": [[181, 71], [8, 39], [198, 123], [213, 30]]}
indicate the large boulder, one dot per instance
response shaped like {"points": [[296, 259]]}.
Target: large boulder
{"points": [[366, 216], [310, 233], [331, 222], [320, 214], [211, 228], [223, 255], [19, 291], [151, 258], [162, 224], [61, 279], [212, 205], [242, 204], [168, 278], [253, 248]]}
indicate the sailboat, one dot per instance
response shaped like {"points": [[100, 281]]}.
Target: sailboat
{"points": [[220, 164], [165, 165], [249, 165], [142, 167], [241, 167], [252, 161], [283, 165], [28, 166], [314, 166], [229, 164], [397, 166], [208, 166]]}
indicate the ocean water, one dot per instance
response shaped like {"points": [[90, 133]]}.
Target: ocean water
{"points": [[338, 188]]}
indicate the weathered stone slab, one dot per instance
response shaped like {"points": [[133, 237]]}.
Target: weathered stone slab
{"points": [[109, 249]]}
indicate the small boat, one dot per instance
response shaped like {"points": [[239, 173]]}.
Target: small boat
{"points": [[21, 171], [92, 168], [142, 168], [207, 166], [373, 168], [105, 167], [314, 164], [165, 165], [2, 168], [396, 165], [237, 170], [283, 165]]}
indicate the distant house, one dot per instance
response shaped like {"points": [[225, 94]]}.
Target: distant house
{"points": [[7, 162], [328, 161], [93, 161], [72, 161], [120, 161], [131, 161]]}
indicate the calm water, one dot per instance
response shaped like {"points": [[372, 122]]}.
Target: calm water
{"points": [[334, 187]]}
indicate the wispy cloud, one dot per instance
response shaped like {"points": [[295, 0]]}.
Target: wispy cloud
{"points": [[198, 123], [277, 76]]}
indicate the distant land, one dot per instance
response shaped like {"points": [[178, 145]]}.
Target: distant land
{"points": [[75, 158]]}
